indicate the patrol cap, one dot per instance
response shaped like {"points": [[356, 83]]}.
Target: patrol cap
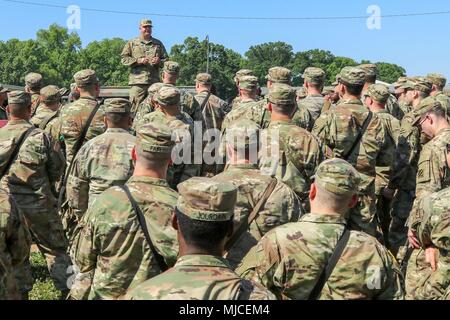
{"points": [[400, 81], [378, 92], [301, 93], [146, 22], [85, 78], [63, 92], [328, 90], [3, 89], [204, 78], [437, 79], [280, 75], [352, 76], [117, 105], [50, 94], [248, 82], [19, 97], [243, 134], [243, 72], [154, 88], [168, 96], [420, 84], [33, 81], [337, 176], [204, 199], [370, 69], [425, 106], [155, 137], [282, 94], [314, 75], [171, 67]]}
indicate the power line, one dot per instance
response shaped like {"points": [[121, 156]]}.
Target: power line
{"points": [[49, 5]]}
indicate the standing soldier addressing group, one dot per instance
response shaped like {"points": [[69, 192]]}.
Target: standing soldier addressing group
{"points": [[31, 163], [145, 56]]}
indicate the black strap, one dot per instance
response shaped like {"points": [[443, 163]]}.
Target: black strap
{"points": [[76, 148], [140, 216], [203, 105], [47, 120], [253, 215], [38, 103], [15, 151], [326, 272], [360, 135]]}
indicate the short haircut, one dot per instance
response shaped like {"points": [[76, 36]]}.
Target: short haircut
{"points": [[286, 110], [19, 110], [332, 200], [151, 160], [318, 86], [439, 112], [205, 235], [423, 95], [354, 89], [116, 119], [371, 79]]}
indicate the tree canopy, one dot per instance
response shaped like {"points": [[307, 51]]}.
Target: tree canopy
{"points": [[58, 54]]}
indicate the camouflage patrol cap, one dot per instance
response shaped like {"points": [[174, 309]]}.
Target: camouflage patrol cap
{"points": [[3, 90], [425, 106], [117, 105], [168, 96], [301, 93], [328, 90], [400, 82], [155, 137], [420, 84], [370, 69], [337, 176], [64, 92], [378, 92], [171, 67], [85, 78], [19, 97], [437, 79], [280, 75], [146, 22], [73, 87], [248, 82], [352, 76], [243, 72], [314, 75], [50, 94], [243, 134], [154, 88], [204, 199], [33, 81], [282, 94], [204, 78]]}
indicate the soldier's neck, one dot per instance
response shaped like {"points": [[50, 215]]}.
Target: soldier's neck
{"points": [[52, 107], [347, 96], [248, 97], [142, 171], [280, 117], [312, 91], [172, 111]]}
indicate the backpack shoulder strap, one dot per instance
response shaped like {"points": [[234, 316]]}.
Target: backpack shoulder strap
{"points": [[47, 120], [360, 135]]}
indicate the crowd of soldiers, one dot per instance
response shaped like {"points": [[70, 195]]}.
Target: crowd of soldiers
{"points": [[352, 204]]}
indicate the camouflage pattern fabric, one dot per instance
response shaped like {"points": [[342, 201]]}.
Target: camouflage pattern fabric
{"points": [[303, 118], [111, 251], [51, 117], [314, 104]]}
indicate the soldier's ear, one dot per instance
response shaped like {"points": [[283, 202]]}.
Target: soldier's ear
{"points": [[353, 201], [269, 106], [133, 154], [174, 221], [313, 192]]}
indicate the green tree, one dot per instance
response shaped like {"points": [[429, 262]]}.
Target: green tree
{"points": [[224, 63], [262, 57], [312, 58], [336, 66], [389, 72], [104, 57]]}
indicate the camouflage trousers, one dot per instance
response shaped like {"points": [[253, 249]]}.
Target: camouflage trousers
{"points": [[383, 206], [401, 208], [138, 93], [363, 217], [416, 271], [47, 232]]}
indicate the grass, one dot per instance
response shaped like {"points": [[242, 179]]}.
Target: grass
{"points": [[43, 288]]}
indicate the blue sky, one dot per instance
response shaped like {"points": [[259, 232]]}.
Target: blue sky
{"points": [[421, 44]]}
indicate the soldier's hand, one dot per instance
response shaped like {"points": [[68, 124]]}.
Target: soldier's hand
{"points": [[156, 60], [143, 61], [413, 239], [431, 257]]}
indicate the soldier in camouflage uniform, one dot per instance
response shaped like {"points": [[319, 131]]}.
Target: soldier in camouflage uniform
{"points": [[168, 111], [203, 219], [282, 205], [15, 242], [392, 106], [146, 107], [290, 151], [439, 82], [39, 164], [144, 56], [102, 162], [111, 251], [375, 99], [47, 116], [433, 175], [74, 116], [239, 74], [400, 93], [33, 85], [403, 181], [74, 94], [290, 259], [314, 81], [301, 94], [340, 128], [433, 233]]}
